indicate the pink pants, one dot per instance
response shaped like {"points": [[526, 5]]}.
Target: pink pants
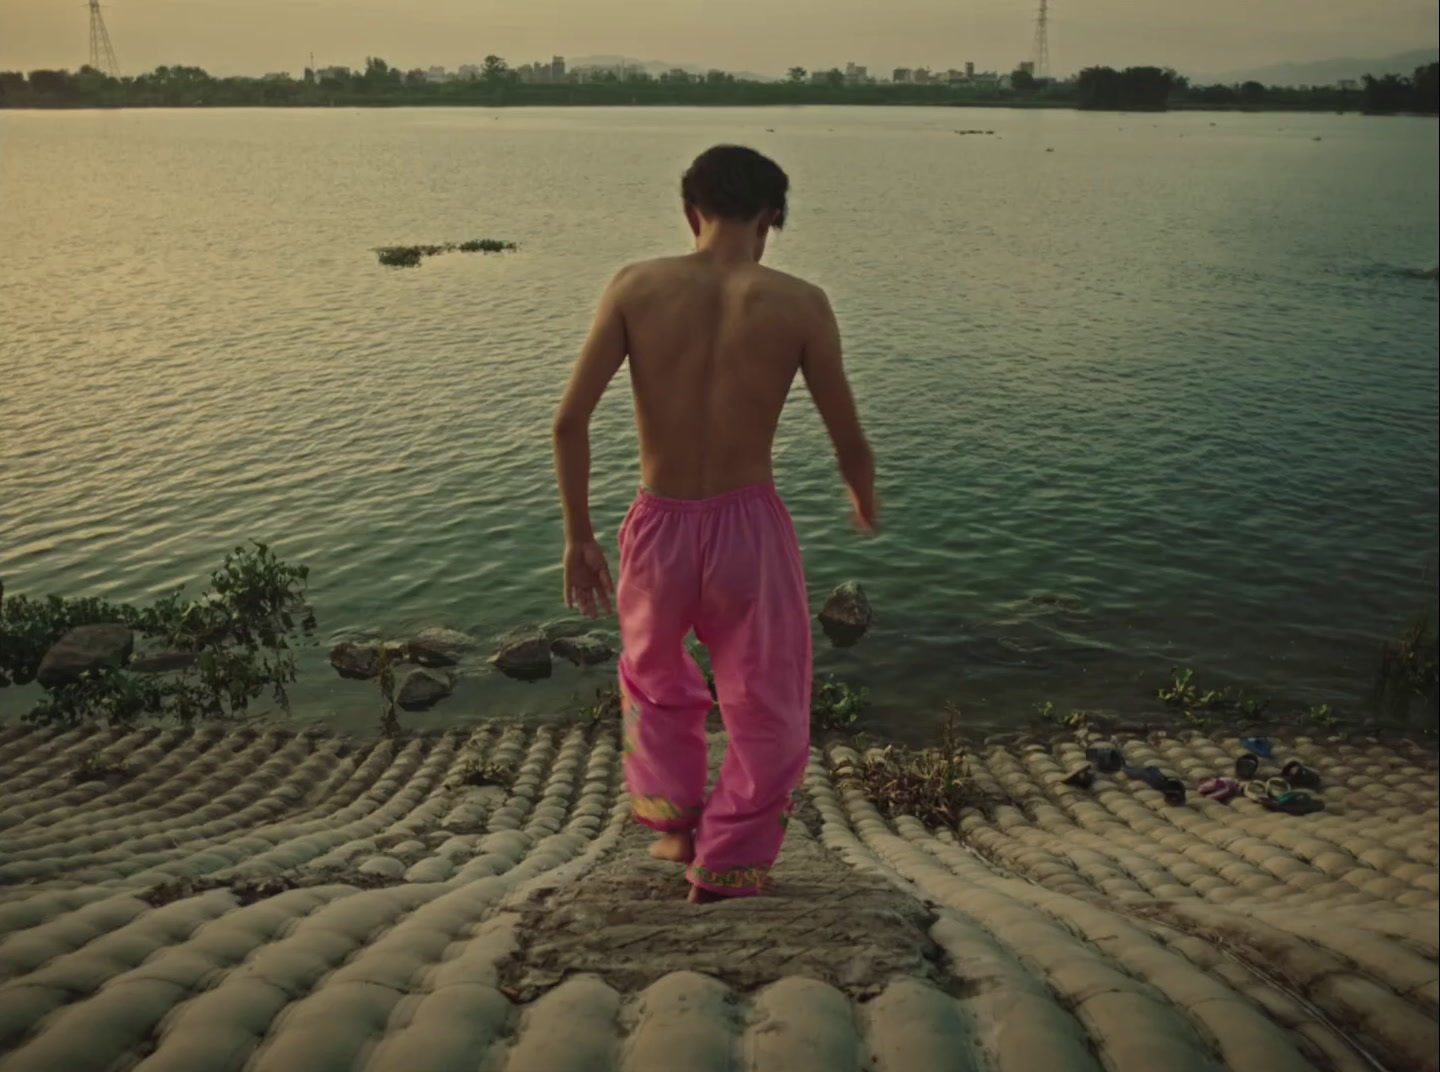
{"points": [[729, 568]]}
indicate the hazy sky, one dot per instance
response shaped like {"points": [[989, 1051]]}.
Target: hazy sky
{"points": [[766, 36]]}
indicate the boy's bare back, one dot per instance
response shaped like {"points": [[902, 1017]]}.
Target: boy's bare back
{"points": [[713, 350]]}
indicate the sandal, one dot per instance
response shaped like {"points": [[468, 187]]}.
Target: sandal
{"points": [[1256, 791], [1259, 745], [1172, 788], [1297, 774], [1246, 766], [1296, 802], [1218, 789], [1105, 757]]}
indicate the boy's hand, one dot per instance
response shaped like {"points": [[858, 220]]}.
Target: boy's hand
{"points": [[587, 579], [864, 510]]}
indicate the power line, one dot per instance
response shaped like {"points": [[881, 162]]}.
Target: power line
{"points": [[102, 53]]}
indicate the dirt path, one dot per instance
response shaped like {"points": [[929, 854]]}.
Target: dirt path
{"points": [[271, 901]]}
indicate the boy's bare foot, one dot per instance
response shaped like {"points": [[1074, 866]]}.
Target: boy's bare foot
{"points": [[700, 895], [675, 846]]}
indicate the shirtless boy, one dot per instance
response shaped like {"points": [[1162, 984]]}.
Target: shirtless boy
{"points": [[714, 341]]}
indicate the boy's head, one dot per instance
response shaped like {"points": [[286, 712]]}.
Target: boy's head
{"points": [[734, 184]]}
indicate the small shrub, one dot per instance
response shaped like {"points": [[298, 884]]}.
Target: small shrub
{"points": [[92, 768], [606, 707], [239, 633], [483, 772], [1408, 670]]}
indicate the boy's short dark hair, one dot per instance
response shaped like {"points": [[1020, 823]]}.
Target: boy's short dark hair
{"points": [[731, 182]]}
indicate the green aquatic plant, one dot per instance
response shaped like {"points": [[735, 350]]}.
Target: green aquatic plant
{"points": [[1047, 712], [410, 256], [835, 705], [1196, 706]]}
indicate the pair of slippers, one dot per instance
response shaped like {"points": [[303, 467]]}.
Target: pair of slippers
{"points": [[1108, 759], [1276, 794], [1295, 773]]}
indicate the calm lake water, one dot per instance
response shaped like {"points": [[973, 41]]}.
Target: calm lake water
{"points": [[1145, 390]]}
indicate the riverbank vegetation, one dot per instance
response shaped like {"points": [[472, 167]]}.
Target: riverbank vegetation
{"points": [[497, 85], [207, 657]]}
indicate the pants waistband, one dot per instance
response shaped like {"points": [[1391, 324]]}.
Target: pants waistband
{"points": [[653, 500]]}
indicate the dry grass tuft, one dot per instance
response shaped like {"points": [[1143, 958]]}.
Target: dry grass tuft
{"points": [[932, 784]]}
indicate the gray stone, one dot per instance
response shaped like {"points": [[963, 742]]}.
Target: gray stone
{"points": [[438, 647], [85, 648], [584, 650], [560, 628], [360, 661], [846, 615], [421, 688], [524, 654]]}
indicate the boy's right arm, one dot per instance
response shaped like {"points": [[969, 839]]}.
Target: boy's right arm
{"points": [[824, 373]]}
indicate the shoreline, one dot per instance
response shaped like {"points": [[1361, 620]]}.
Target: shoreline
{"points": [[285, 900]]}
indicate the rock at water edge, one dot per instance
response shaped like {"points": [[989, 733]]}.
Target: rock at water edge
{"points": [[846, 615], [355, 660], [438, 647], [584, 650], [85, 648], [524, 655], [562, 628], [421, 688]]}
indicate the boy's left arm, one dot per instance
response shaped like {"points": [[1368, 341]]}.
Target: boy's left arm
{"points": [[587, 575]]}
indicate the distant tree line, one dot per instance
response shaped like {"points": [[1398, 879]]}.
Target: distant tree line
{"points": [[495, 84]]}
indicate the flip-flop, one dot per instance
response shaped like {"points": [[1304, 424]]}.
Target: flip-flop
{"points": [[1255, 790], [1218, 789], [1300, 776], [1246, 766], [1105, 757], [1259, 745], [1083, 778], [1296, 802], [1276, 787], [1172, 788]]}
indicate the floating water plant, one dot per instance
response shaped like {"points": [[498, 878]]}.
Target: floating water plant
{"points": [[410, 256]]}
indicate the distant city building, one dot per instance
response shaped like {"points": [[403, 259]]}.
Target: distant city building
{"points": [[956, 78], [1347, 84], [969, 68], [436, 74], [336, 72], [902, 74], [819, 78], [1026, 67], [921, 75], [855, 74], [677, 74], [276, 76], [557, 68], [469, 71]]}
